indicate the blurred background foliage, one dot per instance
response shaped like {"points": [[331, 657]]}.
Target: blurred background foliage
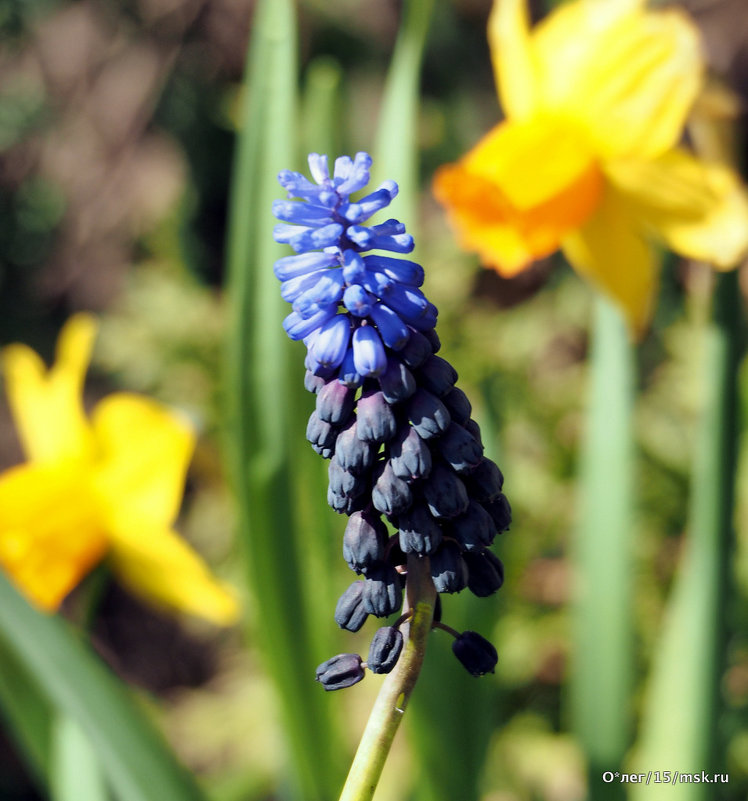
{"points": [[117, 122]]}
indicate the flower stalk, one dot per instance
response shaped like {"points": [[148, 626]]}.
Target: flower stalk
{"points": [[393, 697]]}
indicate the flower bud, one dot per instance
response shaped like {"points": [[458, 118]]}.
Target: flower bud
{"points": [[474, 528], [485, 572], [390, 494], [428, 415], [376, 420], [437, 375], [344, 483], [343, 670], [460, 449], [416, 350], [445, 494], [486, 481], [383, 593], [448, 569], [410, 456], [476, 653], [364, 541], [397, 382], [500, 511], [322, 435], [419, 532], [350, 612], [335, 402], [458, 406], [385, 649], [313, 383], [351, 452]]}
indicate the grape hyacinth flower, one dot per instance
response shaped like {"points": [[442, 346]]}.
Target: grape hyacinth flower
{"points": [[398, 432]]}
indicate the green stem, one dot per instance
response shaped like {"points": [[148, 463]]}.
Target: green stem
{"points": [[397, 687], [601, 624]]}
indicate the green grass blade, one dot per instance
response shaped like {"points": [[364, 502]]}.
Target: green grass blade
{"points": [[27, 714], [265, 397], [601, 662], [75, 774], [321, 107], [135, 758], [679, 726]]}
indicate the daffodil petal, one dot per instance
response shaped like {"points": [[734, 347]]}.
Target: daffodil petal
{"points": [[50, 530], [513, 207], [699, 209], [511, 55], [144, 449], [629, 75], [47, 405], [160, 567], [611, 253]]}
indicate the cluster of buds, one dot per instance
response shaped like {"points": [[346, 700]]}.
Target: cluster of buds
{"points": [[402, 445]]}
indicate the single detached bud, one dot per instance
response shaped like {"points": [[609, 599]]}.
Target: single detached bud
{"points": [[343, 670], [419, 532], [476, 653], [460, 449], [410, 456], [485, 572], [445, 494], [376, 421], [437, 376], [428, 415], [335, 402], [448, 568], [386, 645], [383, 593], [350, 612], [364, 541]]}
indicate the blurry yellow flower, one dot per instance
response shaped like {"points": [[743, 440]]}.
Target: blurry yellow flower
{"points": [[105, 487], [596, 98]]}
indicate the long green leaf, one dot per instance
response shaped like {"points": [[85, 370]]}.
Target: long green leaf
{"points": [[265, 416], [601, 663], [679, 727], [76, 774], [135, 758]]}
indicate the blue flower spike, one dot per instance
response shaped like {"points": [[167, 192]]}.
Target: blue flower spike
{"points": [[402, 445]]}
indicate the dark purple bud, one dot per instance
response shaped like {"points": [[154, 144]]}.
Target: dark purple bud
{"points": [[313, 383], [346, 504], [385, 649], [485, 572], [322, 435], [434, 340], [364, 541], [486, 481], [343, 670], [427, 414], [416, 351], [458, 405], [351, 452], [419, 532], [448, 568], [437, 376], [376, 421], [396, 381], [445, 494], [383, 595], [476, 653], [335, 402], [344, 483], [350, 612], [460, 449], [474, 528], [500, 511], [474, 429], [348, 373], [410, 456], [391, 495]]}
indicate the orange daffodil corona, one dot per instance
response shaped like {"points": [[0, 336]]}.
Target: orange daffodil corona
{"points": [[587, 160], [108, 487]]}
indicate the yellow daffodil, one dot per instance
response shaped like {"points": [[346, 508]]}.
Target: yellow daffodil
{"points": [[587, 160], [104, 487]]}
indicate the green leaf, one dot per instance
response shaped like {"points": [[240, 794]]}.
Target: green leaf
{"points": [[75, 774], [601, 660], [267, 407], [133, 755]]}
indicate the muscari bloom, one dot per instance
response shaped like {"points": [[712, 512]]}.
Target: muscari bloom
{"points": [[587, 159], [402, 445], [104, 487]]}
